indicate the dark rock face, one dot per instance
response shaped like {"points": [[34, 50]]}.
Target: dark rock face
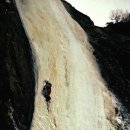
{"points": [[112, 51], [17, 80], [78, 16]]}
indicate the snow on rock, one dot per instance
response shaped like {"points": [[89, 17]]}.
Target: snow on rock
{"points": [[7, 1], [80, 100], [11, 111], [122, 115]]}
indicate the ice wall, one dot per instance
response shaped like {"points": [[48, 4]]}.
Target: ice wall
{"points": [[80, 100]]}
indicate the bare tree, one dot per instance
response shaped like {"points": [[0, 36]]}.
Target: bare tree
{"points": [[118, 15]]}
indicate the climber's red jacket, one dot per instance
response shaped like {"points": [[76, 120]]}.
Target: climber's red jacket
{"points": [[48, 91]]}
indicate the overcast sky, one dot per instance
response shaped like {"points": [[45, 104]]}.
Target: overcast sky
{"points": [[99, 10]]}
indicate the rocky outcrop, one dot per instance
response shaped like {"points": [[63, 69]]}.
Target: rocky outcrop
{"points": [[17, 82], [112, 51], [78, 16]]}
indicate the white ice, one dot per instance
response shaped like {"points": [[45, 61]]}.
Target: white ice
{"points": [[64, 57]]}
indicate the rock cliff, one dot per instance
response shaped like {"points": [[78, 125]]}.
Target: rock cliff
{"points": [[17, 81]]}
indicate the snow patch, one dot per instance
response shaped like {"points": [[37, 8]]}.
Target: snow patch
{"points": [[122, 115], [11, 111], [8, 1]]}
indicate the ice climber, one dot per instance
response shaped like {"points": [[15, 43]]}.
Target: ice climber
{"points": [[47, 90]]}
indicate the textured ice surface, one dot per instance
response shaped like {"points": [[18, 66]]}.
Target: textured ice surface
{"points": [[63, 55]]}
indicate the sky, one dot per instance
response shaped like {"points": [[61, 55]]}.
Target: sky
{"points": [[99, 10]]}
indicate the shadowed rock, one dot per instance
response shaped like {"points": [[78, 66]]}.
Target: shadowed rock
{"points": [[17, 80]]}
